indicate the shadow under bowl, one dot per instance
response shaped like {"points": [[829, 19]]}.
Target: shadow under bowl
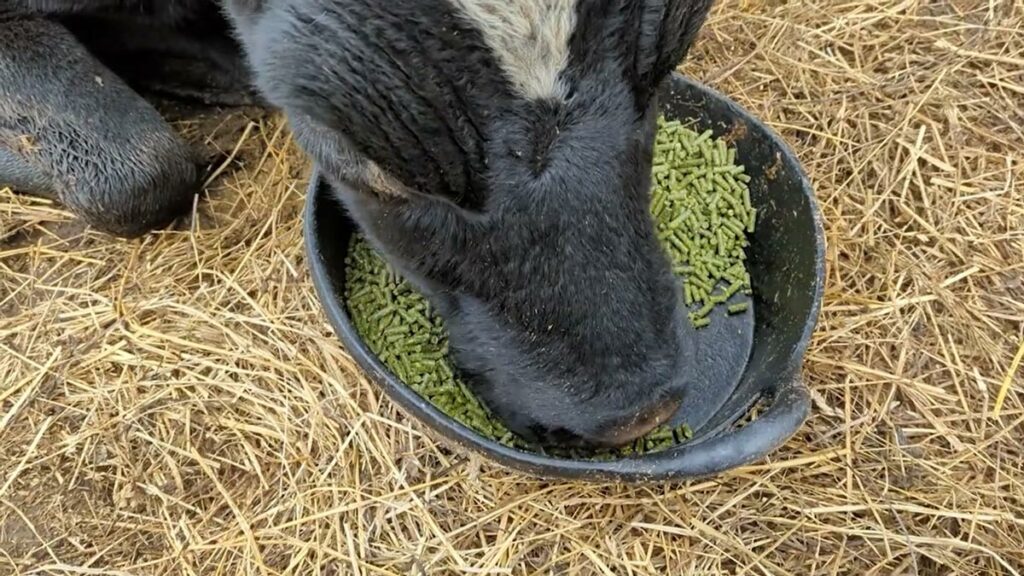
{"points": [[738, 362]]}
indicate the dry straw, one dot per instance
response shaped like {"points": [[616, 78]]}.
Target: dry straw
{"points": [[177, 404]]}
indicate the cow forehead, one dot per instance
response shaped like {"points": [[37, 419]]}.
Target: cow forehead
{"points": [[529, 39]]}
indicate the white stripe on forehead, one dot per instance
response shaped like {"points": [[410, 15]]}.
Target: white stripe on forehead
{"points": [[530, 39]]}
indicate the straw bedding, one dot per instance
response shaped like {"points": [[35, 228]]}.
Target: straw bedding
{"points": [[178, 405]]}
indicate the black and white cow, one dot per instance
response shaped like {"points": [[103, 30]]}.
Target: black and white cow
{"points": [[497, 151]]}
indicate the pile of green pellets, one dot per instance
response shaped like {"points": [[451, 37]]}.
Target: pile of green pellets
{"points": [[399, 327], [701, 204]]}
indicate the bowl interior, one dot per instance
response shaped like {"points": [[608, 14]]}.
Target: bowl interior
{"points": [[736, 362]]}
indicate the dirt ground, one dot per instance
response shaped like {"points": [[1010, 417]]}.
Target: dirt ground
{"points": [[177, 404]]}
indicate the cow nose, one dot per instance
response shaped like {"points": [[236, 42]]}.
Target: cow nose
{"points": [[637, 426]]}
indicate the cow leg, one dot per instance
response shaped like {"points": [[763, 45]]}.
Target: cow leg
{"points": [[71, 130]]}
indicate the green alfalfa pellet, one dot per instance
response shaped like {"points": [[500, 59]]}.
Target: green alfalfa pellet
{"points": [[735, 226], [705, 309], [733, 288], [737, 308]]}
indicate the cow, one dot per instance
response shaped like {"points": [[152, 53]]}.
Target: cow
{"points": [[496, 152]]}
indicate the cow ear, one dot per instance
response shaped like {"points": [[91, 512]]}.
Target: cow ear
{"points": [[666, 31]]}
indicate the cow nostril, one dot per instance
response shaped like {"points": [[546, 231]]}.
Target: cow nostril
{"points": [[638, 426]]}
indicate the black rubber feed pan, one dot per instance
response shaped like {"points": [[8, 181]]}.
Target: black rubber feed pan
{"points": [[738, 362]]}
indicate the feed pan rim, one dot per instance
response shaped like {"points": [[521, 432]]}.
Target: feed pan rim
{"points": [[704, 456]]}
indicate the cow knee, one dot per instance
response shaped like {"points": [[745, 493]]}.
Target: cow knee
{"points": [[79, 134], [138, 186]]}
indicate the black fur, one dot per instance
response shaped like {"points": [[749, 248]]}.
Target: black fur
{"points": [[526, 221]]}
